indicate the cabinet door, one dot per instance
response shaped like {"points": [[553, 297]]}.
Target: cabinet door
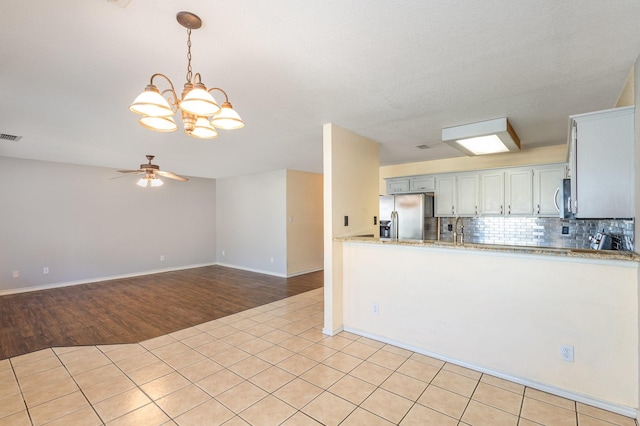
{"points": [[466, 195], [492, 193], [397, 186], [604, 171], [445, 193], [519, 192], [546, 187], [422, 184]]}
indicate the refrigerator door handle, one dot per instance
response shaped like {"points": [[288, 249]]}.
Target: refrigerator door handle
{"points": [[394, 225]]}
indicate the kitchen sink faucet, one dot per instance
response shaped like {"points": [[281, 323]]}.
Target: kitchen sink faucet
{"points": [[455, 231]]}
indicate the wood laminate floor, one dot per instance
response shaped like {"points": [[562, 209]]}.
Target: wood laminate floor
{"points": [[135, 309]]}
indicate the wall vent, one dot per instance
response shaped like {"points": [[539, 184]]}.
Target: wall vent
{"points": [[422, 146], [4, 136]]}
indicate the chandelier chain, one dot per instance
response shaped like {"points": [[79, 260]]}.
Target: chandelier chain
{"points": [[189, 55]]}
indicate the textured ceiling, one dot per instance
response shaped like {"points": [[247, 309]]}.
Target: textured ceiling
{"points": [[396, 72]]}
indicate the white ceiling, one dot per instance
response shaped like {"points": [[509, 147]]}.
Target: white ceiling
{"points": [[396, 72]]}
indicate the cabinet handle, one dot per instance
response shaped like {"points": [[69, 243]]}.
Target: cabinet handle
{"points": [[453, 210], [501, 209], [509, 211], [538, 209], [476, 210]]}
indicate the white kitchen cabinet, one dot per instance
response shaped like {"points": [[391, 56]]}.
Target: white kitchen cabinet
{"points": [[425, 183], [492, 192], [466, 194], [457, 194], [601, 161], [519, 191], [397, 186], [546, 188], [445, 195]]}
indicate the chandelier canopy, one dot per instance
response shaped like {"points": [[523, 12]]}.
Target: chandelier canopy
{"points": [[201, 114]]}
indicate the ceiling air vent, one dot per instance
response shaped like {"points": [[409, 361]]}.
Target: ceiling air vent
{"points": [[422, 146], [5, 137]]}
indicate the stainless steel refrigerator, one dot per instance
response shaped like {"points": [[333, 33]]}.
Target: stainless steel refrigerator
{"points": [[407, 217]]}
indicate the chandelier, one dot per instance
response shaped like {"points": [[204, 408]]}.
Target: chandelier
{"points": [[201, 114]]}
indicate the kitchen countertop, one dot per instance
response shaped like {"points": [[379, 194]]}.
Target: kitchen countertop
{"points": [[548, 251]]}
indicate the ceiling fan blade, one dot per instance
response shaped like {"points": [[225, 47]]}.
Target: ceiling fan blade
{"points": [[171, 176], [127, 173]]}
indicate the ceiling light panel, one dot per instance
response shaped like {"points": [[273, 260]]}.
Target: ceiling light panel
{"points": [[484, 137]]}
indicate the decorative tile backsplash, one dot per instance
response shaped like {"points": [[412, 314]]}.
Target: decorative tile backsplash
{"points": [[537, 231]]}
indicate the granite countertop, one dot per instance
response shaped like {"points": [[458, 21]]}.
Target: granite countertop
{"points": [[548, 251]]}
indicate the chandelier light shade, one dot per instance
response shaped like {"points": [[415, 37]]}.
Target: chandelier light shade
{"points": [[199, 111], [227, 118], [159, 124], [151, 103], [203, 129]]}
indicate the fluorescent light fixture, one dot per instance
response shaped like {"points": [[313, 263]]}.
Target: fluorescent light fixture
{"points": [[484, 137]]}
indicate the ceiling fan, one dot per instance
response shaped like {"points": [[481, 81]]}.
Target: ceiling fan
{"points": [[151, 173]]}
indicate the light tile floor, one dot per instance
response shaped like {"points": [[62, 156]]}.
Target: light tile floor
{"points": [[270, 365]]}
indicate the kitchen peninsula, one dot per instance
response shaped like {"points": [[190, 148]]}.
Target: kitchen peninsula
{"points": [[504, 310]]}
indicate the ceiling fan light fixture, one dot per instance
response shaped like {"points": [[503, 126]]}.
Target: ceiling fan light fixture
{"points": [[484, 137], [151, 103], [197, 101], [155, 182], [227, 118], [159, 124], [143, 182]]}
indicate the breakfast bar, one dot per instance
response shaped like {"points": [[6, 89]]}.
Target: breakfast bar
{"points": [[509, 311]]}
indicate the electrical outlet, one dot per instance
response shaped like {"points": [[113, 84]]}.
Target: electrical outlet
{"points": [[45, 270], [346, 221], [449, 227], [566, 352], [375, 309], [223, 253], [565, 230], [271, 259], [162, 258], [16, 274]]}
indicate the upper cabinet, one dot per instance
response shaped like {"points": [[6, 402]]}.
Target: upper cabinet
{"points": [[445, 197], [457, 194], [601, 151], [467, 194], [529, 191], [524, 191], [519, 191], [397, 186], [422, 183], [492, 192], [411, 184], [546, 189]]}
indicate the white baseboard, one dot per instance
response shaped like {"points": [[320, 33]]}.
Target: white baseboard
{"points": [[306, 271], [98, 279], [275, 274], [258, 271], [619, 409]]}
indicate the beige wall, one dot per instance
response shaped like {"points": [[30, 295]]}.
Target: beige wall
{"points": [[505, 314], [627, 96], [351, 165], [545, 155], [304, 222]]}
